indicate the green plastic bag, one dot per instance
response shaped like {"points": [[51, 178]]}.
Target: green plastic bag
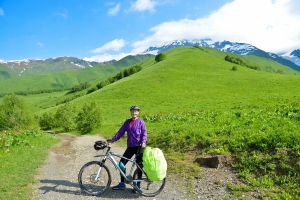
{"points": [[155, 164]]}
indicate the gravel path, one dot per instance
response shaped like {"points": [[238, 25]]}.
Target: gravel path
{"points": [[57, 178]]}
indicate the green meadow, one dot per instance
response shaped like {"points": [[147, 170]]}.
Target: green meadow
{"points": [[195, 103], [192, 79], [65, 79], [21, 154]]}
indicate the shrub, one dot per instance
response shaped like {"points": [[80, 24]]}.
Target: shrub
{"points": [[160, 57], [134, 69], [122, 74], [65, 116], [79, 87], [89, 118], [102, 84], [47, 121], [24, 93], [279, 71], [14, 113], [93, 89], [241, 62], [234, 68]]}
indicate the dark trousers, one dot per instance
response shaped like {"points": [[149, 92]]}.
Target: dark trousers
{"points": [[129, 152]]}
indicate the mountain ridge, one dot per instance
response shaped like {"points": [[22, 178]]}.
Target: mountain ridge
{"points": [[293, 56], [31, 67], [65, 79], [232, 47]]}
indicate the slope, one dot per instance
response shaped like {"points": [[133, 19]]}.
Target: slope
{"points": [[66, 79], [192, 79], [33, 67], [6, 73]]}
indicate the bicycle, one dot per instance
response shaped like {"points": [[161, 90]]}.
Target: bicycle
{"points": [[95, 178]]}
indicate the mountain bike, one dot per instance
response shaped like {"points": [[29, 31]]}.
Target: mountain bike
{"points": [[95, 178]]}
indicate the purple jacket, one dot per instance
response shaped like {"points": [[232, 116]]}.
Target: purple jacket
{"points": [[136, 135]]}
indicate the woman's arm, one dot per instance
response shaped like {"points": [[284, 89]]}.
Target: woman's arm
{"points": [[120, 133], [144, 134]]}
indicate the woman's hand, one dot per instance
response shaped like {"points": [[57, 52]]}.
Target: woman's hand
{"points": [[109, 141], [143, 145]]}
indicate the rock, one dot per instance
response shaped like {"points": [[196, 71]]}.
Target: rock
{"points": [[216, 161]]}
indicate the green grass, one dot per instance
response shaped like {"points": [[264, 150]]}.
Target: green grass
{"points": [[264, 142], [41, 101], [192, 79], [38, 102], [66, 79], [20, 158], [269, 65], [6, 73]]}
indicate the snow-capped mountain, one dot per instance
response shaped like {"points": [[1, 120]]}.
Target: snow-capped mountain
{"points": [[233, 47], [293, 56], [176, 43], [29, 67]]}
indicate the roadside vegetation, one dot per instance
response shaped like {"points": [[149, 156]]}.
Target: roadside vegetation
{"points": [[68, 118], [196, 103], [264, 142], [21, 153], [15, 114]]}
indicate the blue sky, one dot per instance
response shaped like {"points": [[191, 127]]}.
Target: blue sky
{"points": [[102, 29]]}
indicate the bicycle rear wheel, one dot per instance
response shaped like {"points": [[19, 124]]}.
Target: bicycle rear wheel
{"points": [[148, 188], [87, 178]]}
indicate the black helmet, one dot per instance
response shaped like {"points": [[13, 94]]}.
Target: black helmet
{"points": [[134, 108], [100, 144]]}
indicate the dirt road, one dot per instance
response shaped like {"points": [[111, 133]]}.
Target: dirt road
{"points": [[57, 178]]}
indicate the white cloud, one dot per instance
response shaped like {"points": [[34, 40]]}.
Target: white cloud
{"points": [[114, 45], [114, 10], [143, 5], [271, 25], [107, 57], [110, 3], [62, 13], [40, 44], [1, 12]]}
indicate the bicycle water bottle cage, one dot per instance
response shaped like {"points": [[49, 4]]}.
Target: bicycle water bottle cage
{"points": [[121, 165]]}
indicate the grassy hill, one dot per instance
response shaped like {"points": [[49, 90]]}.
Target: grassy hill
{"points": [[189, 79], [6, 73], [33, 67], [66, 79], [193, 79]]}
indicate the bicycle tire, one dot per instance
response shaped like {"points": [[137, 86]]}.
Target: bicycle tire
{"points": [[88, 184], [148, 188]]}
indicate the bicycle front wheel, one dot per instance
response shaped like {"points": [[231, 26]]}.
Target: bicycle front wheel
{"points": [[147, 188], [94, 179]]}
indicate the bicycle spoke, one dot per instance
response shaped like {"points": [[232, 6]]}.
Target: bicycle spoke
{"points": [[92, 180], [148, 188]]}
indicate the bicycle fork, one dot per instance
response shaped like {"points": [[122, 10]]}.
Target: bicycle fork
{"points": [[100, 168]]}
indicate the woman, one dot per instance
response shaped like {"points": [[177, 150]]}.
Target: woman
{"points": [[136, 140]]}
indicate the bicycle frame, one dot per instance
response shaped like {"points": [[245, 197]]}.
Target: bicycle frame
{"points": [[110, 156], [91, 181]]}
